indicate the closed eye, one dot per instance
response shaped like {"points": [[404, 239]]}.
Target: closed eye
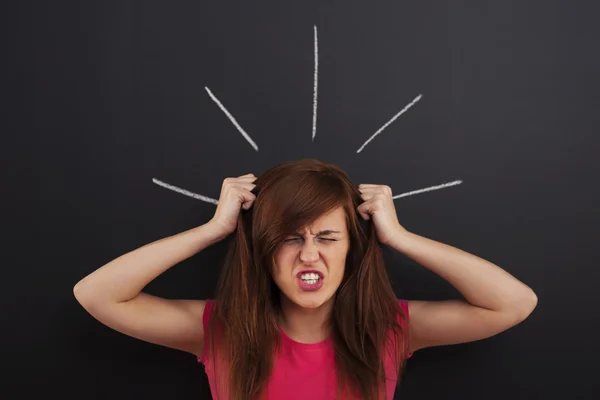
{"points": [[297, 239]]}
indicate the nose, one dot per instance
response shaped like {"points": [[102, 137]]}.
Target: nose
{"points": [[309, 252]]}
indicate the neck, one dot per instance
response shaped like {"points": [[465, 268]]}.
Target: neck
{"points": [[305, 325]]}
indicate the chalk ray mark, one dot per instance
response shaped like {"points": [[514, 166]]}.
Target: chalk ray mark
{"points": [[185, 192], [409, 105], [427, 189], [213, 201], [235, 123], [316, 75]]}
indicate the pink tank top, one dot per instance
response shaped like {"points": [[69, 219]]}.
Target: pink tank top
{"points": [[295, 369]]}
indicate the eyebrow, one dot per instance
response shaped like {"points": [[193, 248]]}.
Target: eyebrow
{"points": [[322, 233]]}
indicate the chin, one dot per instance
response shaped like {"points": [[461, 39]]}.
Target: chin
{"points": [[310, 301]]}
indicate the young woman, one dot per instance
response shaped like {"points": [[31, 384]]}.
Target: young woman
{"points": [[304, 308]]}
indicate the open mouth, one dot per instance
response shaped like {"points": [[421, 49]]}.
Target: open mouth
{"points": [[310, 280]]}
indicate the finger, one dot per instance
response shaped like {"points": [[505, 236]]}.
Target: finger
{"points": [[247, 204], [243, 179], [366, 196], [243, 186], [246, 198], [364, 215], [237, 185], [249, 177], [368, 190], [375, 188], [364, 210], [369, 186]]}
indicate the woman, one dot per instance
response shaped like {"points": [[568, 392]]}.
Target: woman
{"points": [[304, 308]]}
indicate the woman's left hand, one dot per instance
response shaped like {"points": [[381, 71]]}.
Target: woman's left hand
{"points": [[379, 206]]}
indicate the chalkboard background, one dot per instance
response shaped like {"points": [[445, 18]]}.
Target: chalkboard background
{"points": [[104, 97]]}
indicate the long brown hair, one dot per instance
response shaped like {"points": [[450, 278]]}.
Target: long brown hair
{"points": [[244, 334]]}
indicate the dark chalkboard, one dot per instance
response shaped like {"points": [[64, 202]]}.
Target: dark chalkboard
{"points": [[109, 102]]}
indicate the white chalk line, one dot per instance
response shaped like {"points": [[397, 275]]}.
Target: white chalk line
{"points": [[213, 201], [239, 128], [428, 189], [390, 121], [316, 75], [185, 192]]}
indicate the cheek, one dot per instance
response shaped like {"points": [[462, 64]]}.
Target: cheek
{"points": [[336, 261], [283, 262]]}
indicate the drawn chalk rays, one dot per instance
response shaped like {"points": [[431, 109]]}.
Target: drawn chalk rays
{"points": [[314, 133]]}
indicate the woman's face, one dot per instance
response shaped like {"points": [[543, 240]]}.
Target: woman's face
{"points": [[309, 265]]}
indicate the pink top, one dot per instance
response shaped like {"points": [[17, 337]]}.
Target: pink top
{"points": [[294, 376]]}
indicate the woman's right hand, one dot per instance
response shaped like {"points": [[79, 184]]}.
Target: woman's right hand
{"points": [[235, 194]]}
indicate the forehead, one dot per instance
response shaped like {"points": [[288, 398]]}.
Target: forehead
{"points": [[334, 220]]}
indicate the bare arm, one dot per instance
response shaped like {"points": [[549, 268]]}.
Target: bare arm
{"points": [[113, 293], [494, 299]]}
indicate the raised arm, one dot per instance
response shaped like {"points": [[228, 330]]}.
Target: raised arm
{"points": [[494, 300], [113, 293]]}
